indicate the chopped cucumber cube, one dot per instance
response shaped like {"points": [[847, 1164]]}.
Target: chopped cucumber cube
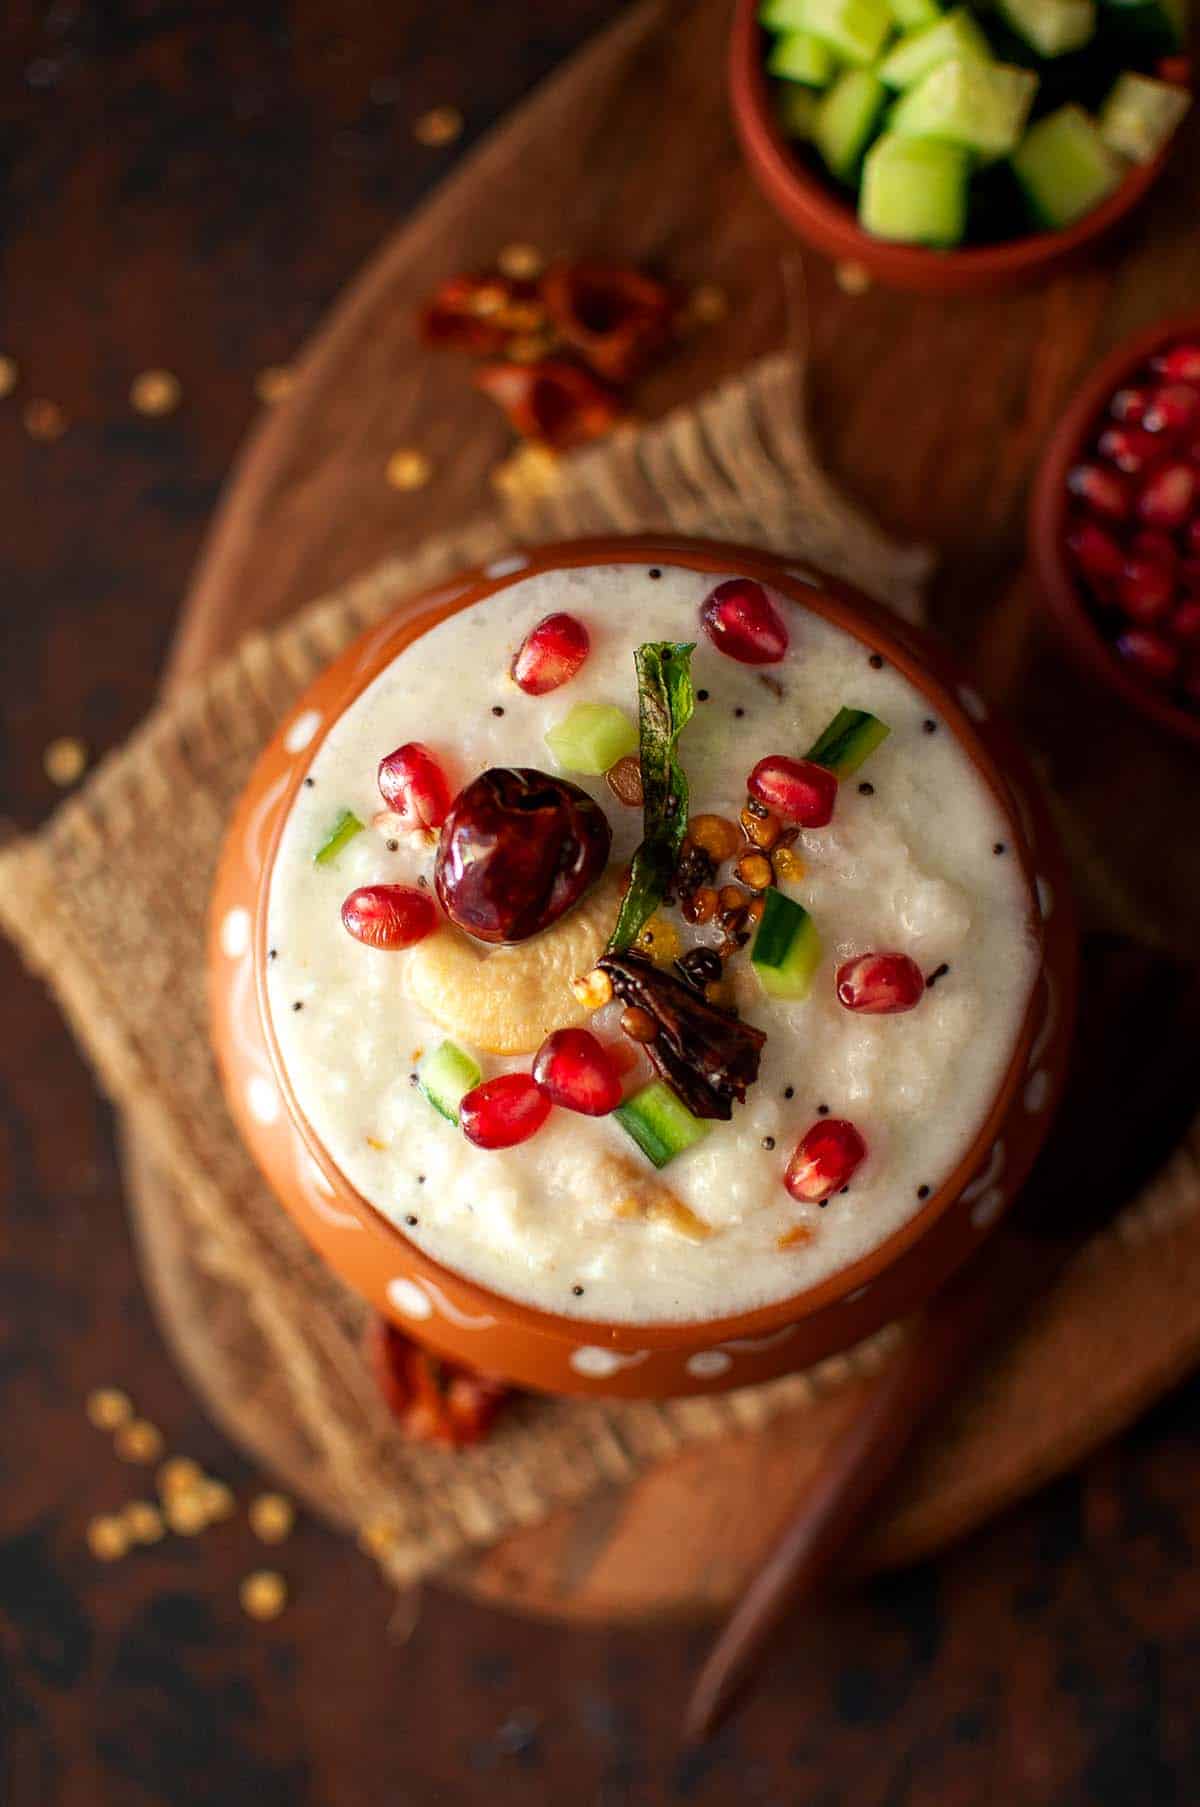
{"points": [[914, 190], [911, 15], [1052, 26], [1065, 167], [849, 740], [845, 120], [787, 947], [445, 1076], [591, 737], [796, 110], [855, 29], [799, 57], [659, 1122], [1140, 115], [345, 826], [782, 15], [982, 106], [957, 35]]}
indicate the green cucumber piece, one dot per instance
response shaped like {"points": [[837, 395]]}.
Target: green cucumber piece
{"points": [[800, 57], [591, 737], [845, 120], [849, 740], [782, 15], [1140, 115], [982, 106], [1051, 26], [659, 1122], [445, 1076], [1065, 167], [914, 190], [854, 29], [787, 947], [345, 826], [912, 15], [796, 110], [957, 35]]}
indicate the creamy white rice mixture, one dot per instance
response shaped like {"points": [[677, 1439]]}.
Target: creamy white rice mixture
{"points": [[909, 868]]}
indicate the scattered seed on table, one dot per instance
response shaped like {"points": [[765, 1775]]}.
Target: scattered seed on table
{"points": [[8, 375], [139, 1441], [438, 126], [272, 1516], [143, 1521], [44, 420], [521, 263], [217, 1499], [263, 1594], [155, 392], [274, 383], [408, 469], [852, 278], [178, 1474], [108, 1408], [65, 761], [186, 1513], [107, 1538]]}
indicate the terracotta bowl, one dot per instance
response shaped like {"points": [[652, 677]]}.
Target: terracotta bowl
{"points": [[1048, 510], [464, 1321], [811, 205]]}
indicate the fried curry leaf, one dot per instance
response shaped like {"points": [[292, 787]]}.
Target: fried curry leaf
{"points": [[665, 703]]}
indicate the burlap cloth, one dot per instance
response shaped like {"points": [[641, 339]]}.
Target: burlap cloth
{"points": [[108, 903]]}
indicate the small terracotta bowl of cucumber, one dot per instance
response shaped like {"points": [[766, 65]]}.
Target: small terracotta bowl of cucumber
{"points": [[1114, 524], [954, 150]]}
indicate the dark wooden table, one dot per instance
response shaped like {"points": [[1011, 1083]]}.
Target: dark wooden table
{"points": [[189, 187]]}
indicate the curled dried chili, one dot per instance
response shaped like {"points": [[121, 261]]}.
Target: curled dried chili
{"points": [[552, 400], [433, 1401], [614, 316]]}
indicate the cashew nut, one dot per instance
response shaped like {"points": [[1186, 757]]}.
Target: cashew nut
{"points": [[507, 1000]]}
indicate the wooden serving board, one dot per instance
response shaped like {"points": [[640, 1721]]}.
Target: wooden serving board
{"points": [[934, 414]]}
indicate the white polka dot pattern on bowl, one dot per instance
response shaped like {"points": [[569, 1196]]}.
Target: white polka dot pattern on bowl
{"points": [[235, 933], [301, 732], [410, 1300]]}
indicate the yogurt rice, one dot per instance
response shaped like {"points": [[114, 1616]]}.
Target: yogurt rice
{"points": [[915, 861]]}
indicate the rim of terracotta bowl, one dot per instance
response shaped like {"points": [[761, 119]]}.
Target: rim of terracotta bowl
{"points": [[932, 672], [1048, 510], [812, 207]]}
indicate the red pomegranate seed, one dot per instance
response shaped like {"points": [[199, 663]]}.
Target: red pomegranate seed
{"points": [[389, 916], [1146, 589], [1184, 625], [1153, 656], [741, 621], [413, 785], [795, 789], [1192, 536], [824, 1160], [1129, 448], [1189, 576], [1181, 364], [550, 653], [1128, 405], [1170, 408], [503, 1111], [1152, 542], [880, 984], [1100, 490], [1168, 495], [575, 1070], [1095, 551]]}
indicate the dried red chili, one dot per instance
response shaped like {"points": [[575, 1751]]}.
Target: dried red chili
{"points": [[481, 313], [433, 1401], [553, 401], [614, 316]]}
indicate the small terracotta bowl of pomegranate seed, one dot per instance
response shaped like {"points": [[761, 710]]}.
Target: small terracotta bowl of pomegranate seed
{"points": [[376, 1073], [1115, 524]]}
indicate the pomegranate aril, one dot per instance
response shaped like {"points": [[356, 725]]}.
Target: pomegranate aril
{"points": [[1095, 552], [1102, 491], [1169, 495], [414, 787], [880, 984], [1184, 625], [741, 621], [1189, 576], [1150, 654], [1146, 589], [550, 654], [824, 1160], [503, 1111], [389, 916], [1191, 537], [796, 789], [573, 1068], [1128, 405], [1152, 542], [1180, 365], [1129, 448], [1170, 408]]}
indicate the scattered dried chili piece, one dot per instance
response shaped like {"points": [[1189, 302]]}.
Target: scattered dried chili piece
{"points": [[614, 316], [552, 400], [480, 313], [707, 1056], [433, 1401]]}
